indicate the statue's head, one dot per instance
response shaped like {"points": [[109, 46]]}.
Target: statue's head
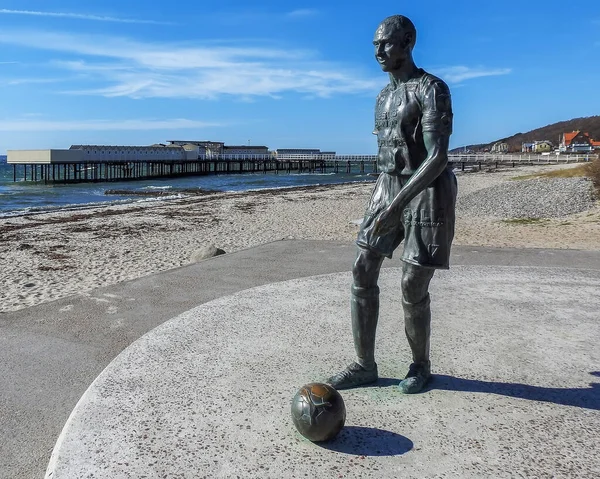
{"points": [[394, 41]]}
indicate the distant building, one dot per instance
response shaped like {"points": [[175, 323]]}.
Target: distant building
{"points": [[500, 147], [43, 157], [205, 148], [287, 152], [298, 151], [527, 147], [214, 148], [543, 146], [102, 154], [192, 151], [245, 150], [175, 150], [114, 153], [577, 142]]}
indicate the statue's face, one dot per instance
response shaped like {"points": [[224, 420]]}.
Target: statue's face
{"points": [[391, 47]]}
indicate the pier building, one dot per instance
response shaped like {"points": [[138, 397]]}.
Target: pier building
{"points": [[100, 153], [245, 150], [294, 153], [205, 148]]}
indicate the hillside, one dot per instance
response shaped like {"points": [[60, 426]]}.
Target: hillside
{"points": [[553, 132]]}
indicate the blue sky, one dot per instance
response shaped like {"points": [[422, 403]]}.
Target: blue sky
{"points": [[281, 74]]}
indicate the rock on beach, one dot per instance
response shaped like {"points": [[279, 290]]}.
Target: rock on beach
{"points": [[205, 252]]}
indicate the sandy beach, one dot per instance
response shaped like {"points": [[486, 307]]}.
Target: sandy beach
{"points": [[48, 256]]}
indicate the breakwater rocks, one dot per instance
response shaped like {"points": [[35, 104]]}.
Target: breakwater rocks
{"points": [[162, 192], [535, 198]]}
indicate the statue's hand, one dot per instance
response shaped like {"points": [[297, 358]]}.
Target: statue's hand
{"points": [[386, 220]]}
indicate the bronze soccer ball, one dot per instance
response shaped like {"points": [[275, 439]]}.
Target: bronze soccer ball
{"points": [[318, 412]]}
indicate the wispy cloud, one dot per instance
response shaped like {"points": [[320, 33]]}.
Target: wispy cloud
{"points": [[125, 67], [122, 67], [80, 16], [103, 125], [246, 16], [458, 74], [302, 12], [31, 81]]}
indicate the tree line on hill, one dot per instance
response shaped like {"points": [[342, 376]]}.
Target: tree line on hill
{"points": [[553, 132]]}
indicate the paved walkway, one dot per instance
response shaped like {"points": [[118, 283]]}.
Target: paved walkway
{"points": [[53, 352]]}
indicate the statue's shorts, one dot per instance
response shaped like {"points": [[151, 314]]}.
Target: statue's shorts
{"points": [[426, 224]]}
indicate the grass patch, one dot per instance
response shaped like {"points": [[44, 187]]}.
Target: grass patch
{"points": [[575, 172], [524, 221], [593, 173]]}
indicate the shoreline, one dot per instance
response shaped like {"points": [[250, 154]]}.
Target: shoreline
{"points": [[46, 256], [150, 196]]}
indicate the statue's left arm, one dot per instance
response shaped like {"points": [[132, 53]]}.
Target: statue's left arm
{"points": [[437, 126]]}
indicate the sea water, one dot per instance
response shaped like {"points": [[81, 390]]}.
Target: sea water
{"points": [[26, 197]]}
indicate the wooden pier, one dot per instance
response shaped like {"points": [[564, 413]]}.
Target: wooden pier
{"points": [[141, 170], [106, 171]]}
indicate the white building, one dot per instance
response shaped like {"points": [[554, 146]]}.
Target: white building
{"points": [[245, 150], [527, 147], [192, 152], [205, 148], [500, 147], [297, 151], [115, 153], [291, 153], [43, 157]]}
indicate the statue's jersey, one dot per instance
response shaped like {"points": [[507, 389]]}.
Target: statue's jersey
{"points": [[402, 114]]}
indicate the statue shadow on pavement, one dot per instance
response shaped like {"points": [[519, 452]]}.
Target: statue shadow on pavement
{"points": [[588, 397], [383, 383], [368, 441]]}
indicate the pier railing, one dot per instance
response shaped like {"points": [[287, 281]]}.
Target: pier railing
{"points": [[486, 158]]}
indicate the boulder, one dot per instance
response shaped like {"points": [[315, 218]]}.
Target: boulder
{"points": [[205, 252]]}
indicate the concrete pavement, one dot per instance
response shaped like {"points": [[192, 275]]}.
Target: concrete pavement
{"points": [[51, 353]]}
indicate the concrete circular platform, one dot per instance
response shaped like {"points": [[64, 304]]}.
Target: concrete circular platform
{"points": [[516, 391]]}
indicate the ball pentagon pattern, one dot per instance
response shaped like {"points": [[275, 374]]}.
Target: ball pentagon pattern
{"points": [[318, 412]]}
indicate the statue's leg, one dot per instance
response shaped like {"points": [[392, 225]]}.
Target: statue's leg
{"points": [[364, 309], [417, 325]]}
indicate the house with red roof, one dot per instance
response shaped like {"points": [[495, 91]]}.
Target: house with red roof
{"points": [[577, 142]]}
